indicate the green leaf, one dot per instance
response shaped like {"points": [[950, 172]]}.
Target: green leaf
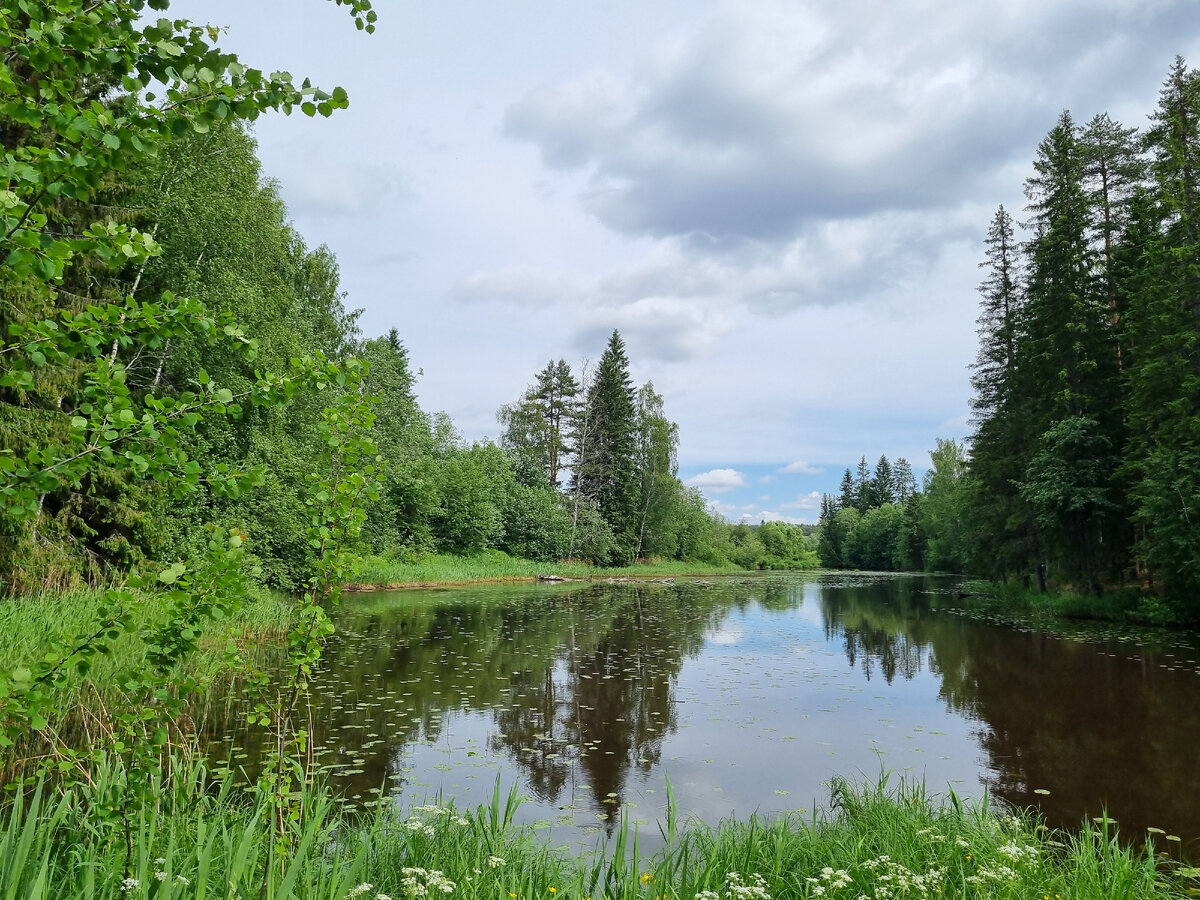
{"points": [[171, 574]]}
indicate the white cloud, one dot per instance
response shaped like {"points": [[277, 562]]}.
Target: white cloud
{"points": [[799, 467], [811, 500], [717, 481]]}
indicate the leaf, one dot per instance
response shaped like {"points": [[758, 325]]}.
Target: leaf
{"points": [[171, 574]]}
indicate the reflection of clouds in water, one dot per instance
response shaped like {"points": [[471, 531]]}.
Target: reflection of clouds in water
{"points": [[727, 635]]}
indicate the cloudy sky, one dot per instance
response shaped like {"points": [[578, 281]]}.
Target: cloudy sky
{"points": [[781, 205]]}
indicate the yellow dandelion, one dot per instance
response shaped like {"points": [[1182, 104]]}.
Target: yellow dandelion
{"points": [[553, 890]]}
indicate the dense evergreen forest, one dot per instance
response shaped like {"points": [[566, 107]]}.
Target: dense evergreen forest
{"points": [[585, 467], [1083, 471]]}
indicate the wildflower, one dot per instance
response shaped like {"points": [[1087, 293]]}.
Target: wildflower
{"points": [[358, 890], [647, 878], [553, 889], [181, 880], [382, 897], [161, 876], [130, 884], [161, 861], [495, 862]]}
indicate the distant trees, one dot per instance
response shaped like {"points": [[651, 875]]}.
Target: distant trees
{"points": [[623, 499], [881, 521]]}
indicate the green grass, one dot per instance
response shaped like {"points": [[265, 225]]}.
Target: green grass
{"points": [[493, 565], [875, 841], [33, 625]]}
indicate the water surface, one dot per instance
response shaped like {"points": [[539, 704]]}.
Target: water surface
{"points": [[749, 695]]}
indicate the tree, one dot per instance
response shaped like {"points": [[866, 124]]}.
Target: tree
{"points": [[1072, 353], [605, 470], [905, 480], [537, 426], [657, 465], [1005, 534], [862, 486], [846, 495], [883, 488], [942, 508], [1160, 281]]}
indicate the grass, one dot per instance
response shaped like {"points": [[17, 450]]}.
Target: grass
{"points": [[31, 625], [875, 841], [493, 565]]}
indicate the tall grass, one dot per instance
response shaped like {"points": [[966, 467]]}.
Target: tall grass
{"points": [[875, 841], [494, 565]]}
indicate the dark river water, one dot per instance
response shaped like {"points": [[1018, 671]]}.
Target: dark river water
{"points": [[748, 695]]}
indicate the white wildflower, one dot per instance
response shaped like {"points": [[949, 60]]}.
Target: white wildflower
{"points": [[495, 862], [359, 890], [130, 884]]}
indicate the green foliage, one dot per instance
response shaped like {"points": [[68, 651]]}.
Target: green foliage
{"points": [[870, 836], [1088, 380]]}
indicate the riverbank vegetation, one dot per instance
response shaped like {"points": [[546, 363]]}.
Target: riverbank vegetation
{"points": [[873, 841], [494, 565], [1083, 471]]}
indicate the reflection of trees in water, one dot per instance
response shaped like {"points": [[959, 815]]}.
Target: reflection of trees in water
{"points": [[607, 705], [583, 678], [884, 625], [1095, 724]]}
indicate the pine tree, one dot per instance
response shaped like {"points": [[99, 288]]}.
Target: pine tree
{"points": [[536, 427]]}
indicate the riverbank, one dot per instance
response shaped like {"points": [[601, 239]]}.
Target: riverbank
{"points": [[876, 841], [438, 570]]}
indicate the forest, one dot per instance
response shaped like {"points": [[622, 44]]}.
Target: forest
{"points": [[1083, 470], [582, 471]]}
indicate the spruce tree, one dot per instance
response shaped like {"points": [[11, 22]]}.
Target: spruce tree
{"points": [[905, 480], [1072, 358], [606, 470], [862, 486], [883, 489], [846, 496], [1160, 281], [1004, 534]]}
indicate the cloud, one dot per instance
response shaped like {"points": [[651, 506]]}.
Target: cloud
{"points": [[347, 189], [811, 500], [800, 467], [659, 328], [520, 285], [718, 481], [776, 115]]}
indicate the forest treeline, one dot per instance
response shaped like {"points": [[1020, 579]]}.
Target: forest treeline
{"points": [[1083, 471], [584, 468]]}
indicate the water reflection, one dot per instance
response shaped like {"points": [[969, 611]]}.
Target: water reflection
{"points": [[747, 694]]}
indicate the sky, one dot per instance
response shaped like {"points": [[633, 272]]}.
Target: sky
{"points": [[780, 205]]}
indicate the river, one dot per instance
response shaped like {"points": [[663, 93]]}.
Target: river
{"points": [[748, 695]]}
